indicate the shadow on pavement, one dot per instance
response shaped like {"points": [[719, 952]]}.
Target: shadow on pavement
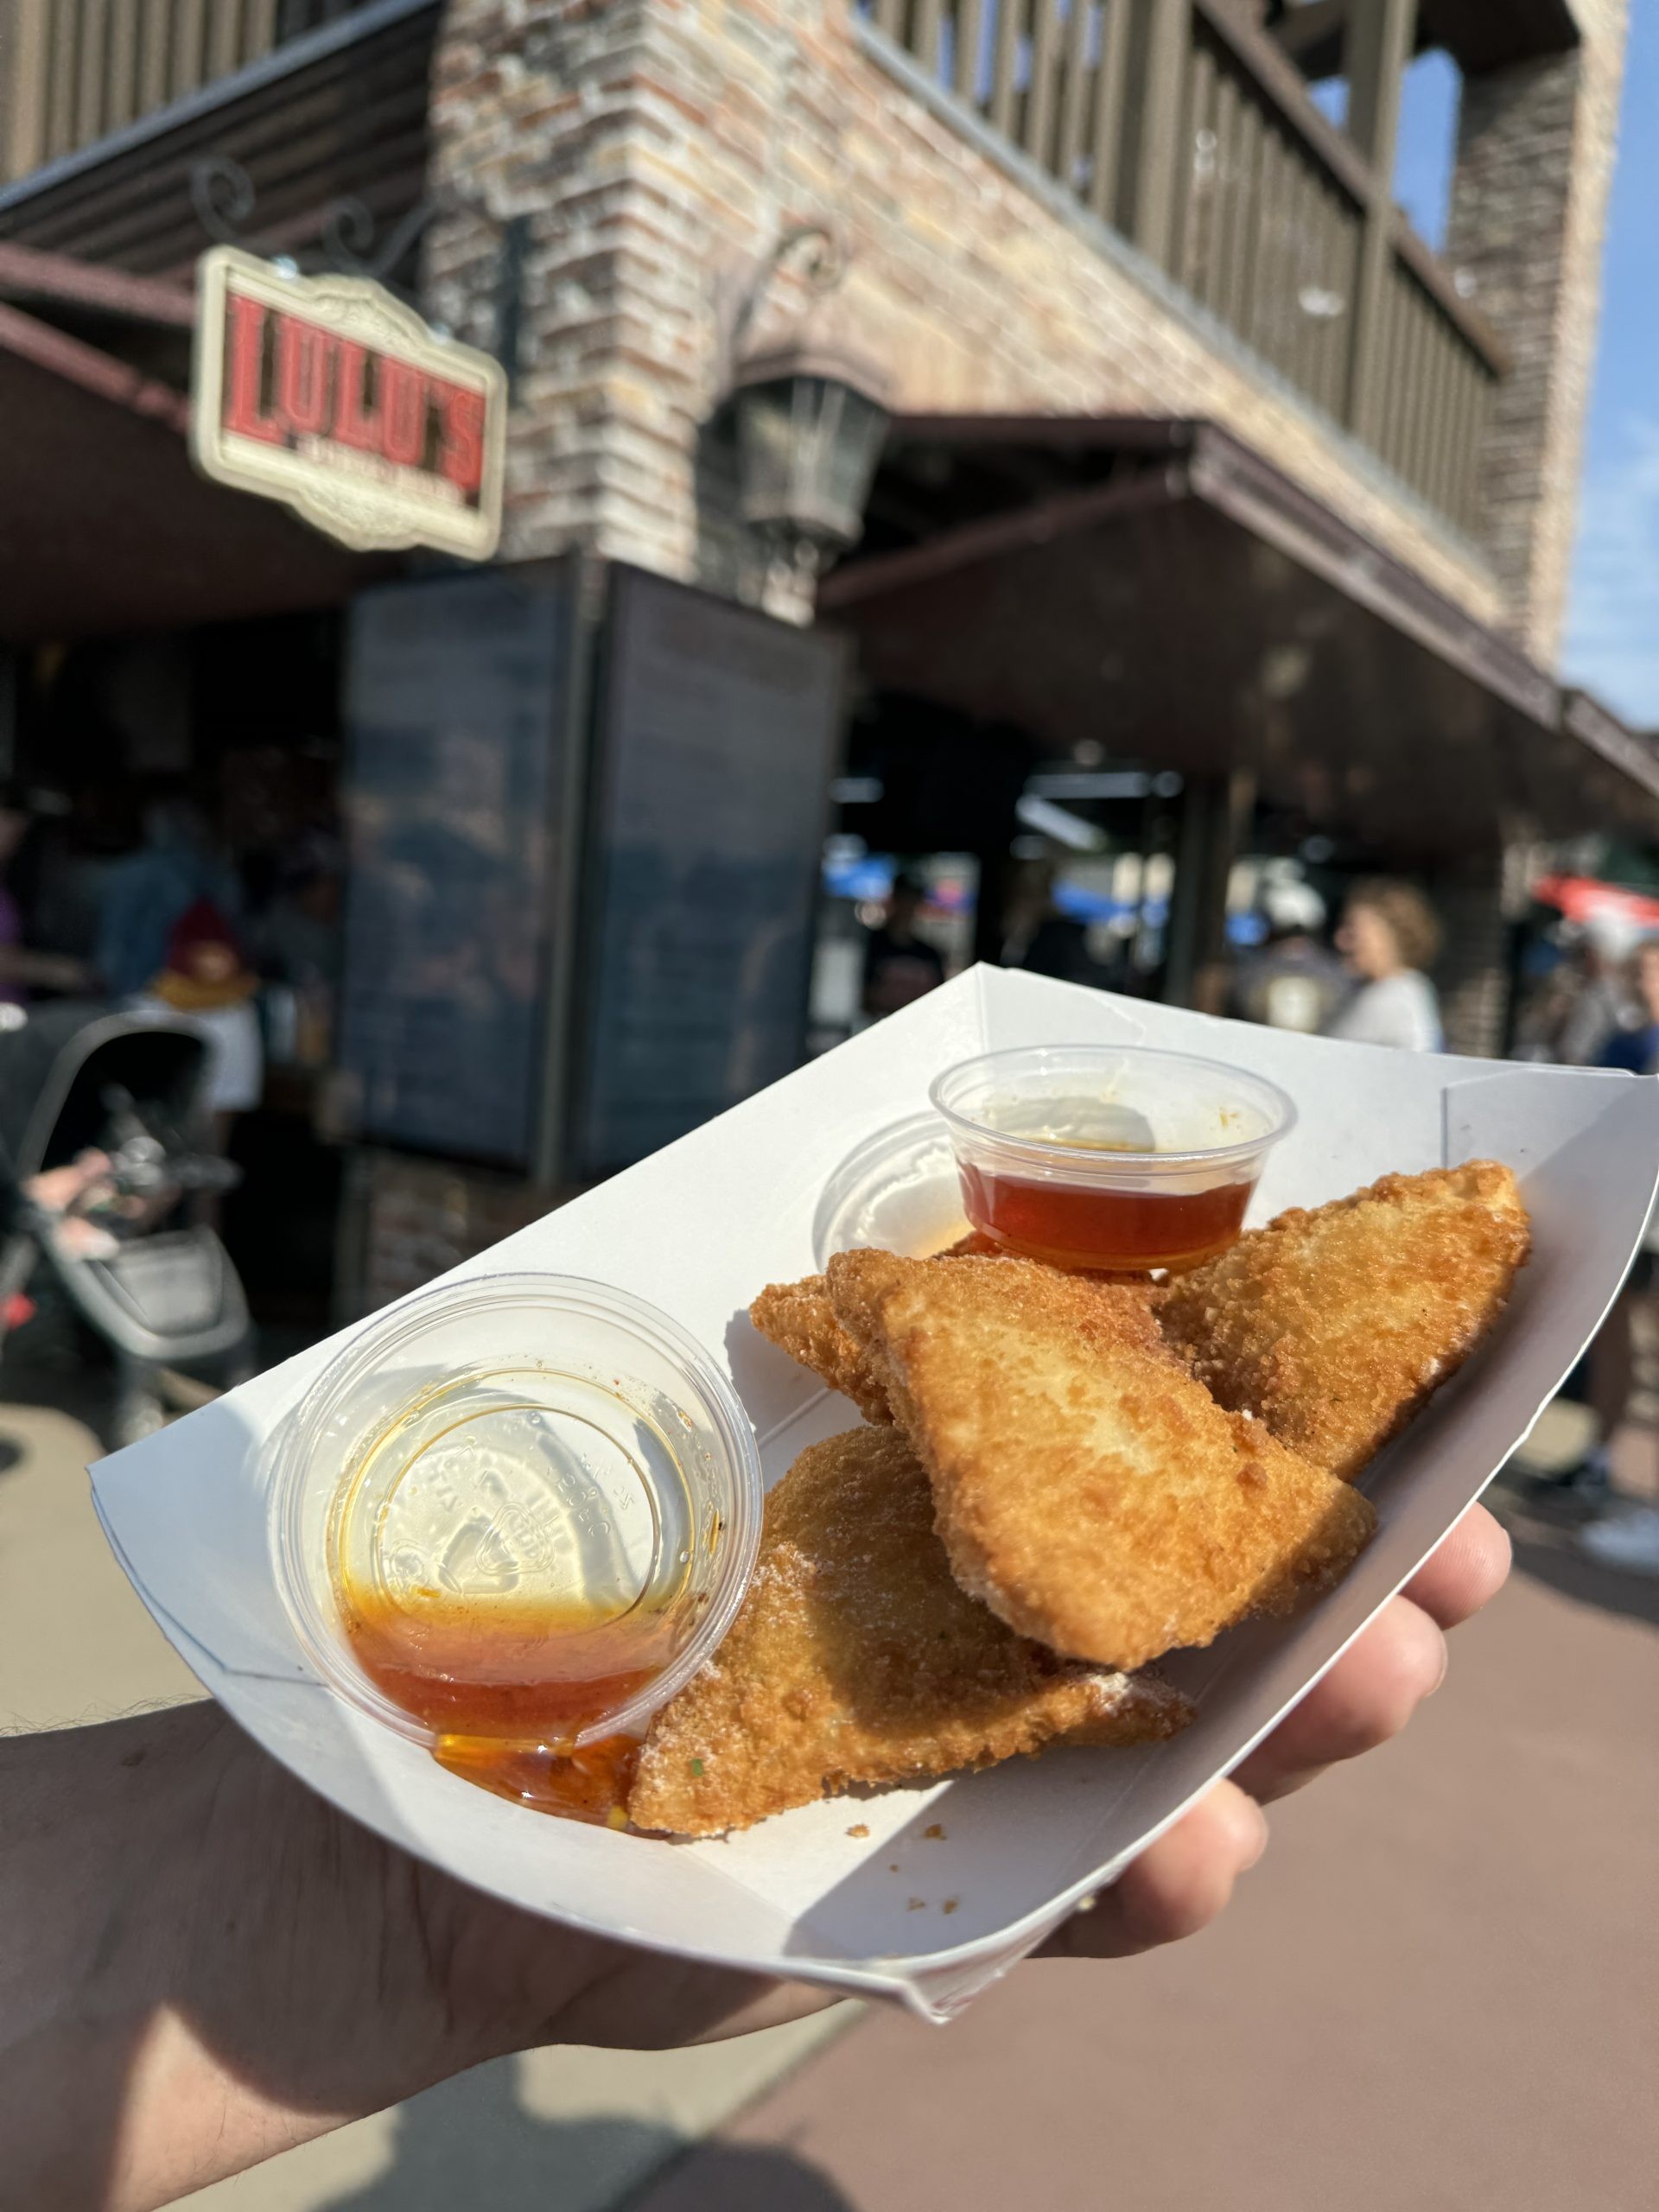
{"points": [[1635, 1596], [472, 2142]]}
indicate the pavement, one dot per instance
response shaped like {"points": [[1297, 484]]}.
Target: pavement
{"points": [[1435, 1992]]}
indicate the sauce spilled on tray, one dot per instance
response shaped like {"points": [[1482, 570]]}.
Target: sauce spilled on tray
{"points": [[507, 1686], [1078, 1225]]}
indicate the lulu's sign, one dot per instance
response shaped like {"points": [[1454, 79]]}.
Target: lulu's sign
{"points": [[330, 395]]}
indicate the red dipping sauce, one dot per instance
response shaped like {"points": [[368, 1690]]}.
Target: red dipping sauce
{"points": [[1074, 1226], [1108, 1158]]}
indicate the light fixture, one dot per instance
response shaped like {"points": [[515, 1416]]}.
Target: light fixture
{"points": [[810, 424]]}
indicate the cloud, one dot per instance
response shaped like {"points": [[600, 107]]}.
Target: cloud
{"points": [[1612, 641]]}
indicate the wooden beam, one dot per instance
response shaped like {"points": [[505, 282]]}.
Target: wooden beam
{"points": [[28, 272], [71, 358], [1379, 46], [1482, 35]]}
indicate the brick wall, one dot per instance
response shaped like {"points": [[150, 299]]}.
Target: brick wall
{"points": [[660, 145], [1528, 210], [410, 1219]]}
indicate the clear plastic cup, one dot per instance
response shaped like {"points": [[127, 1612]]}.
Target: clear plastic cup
{"points": [[1109, 1156], [519, 1511]]}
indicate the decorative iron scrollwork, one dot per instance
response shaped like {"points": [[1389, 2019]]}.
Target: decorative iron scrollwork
{"points": [[224, 197]]}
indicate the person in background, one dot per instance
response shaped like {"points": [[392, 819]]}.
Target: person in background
{"points": [[144, 895], [22, 970], [1389, 937], [1046, 940], [1620, 1535], [205, 984], [1291, 981], [1575, 1009], [900, 966]]}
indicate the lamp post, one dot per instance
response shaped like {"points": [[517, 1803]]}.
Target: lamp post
{"points": [[810, 424]]}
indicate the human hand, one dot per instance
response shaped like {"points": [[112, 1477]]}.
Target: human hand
{"points": [[206, 1963]]}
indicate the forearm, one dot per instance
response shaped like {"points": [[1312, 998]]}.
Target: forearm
{"points": [[174, 2003]]}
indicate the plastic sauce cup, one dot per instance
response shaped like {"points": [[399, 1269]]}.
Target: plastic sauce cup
{"points": [[1109, 1156], [511, 1520]]}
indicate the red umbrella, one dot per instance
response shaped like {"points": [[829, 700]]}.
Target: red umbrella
{"points": [[1583, 900]]}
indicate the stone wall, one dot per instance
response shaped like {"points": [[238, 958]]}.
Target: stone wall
{"points": [[1528, 210], [660, 147]]}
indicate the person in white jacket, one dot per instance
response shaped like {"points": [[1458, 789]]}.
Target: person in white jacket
{"points": [[1389, 937]]}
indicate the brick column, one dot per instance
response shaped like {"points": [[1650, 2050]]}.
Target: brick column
{"points": [[642, 145], [1529, 209]]}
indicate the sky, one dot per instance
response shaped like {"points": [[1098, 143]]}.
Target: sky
{"points": [[1612, 636]]}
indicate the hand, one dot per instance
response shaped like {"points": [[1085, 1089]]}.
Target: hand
{"points": [[1183, 1882], [202, 1963]]}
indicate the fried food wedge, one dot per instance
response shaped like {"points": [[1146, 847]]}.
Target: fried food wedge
{"points": [[1086, 1488], [856, 1658], [1333, 1326], [800, 1318]]}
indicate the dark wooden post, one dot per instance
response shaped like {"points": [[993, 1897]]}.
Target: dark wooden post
{"points": [[1375, 51], [1216, 816]]}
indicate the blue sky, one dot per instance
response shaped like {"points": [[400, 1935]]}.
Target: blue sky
{"points": [[1612, 638]]}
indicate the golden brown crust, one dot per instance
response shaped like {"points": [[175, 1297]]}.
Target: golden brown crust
{"points": [[1086, 1488], [799, 1317], [1333, 1325], [856, 1658]]}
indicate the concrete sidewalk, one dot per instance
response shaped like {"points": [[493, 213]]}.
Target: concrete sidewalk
{"points": [[572, 2131], [1438, 1992]]}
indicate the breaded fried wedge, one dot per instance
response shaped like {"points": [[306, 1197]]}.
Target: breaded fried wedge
{"points": [[1085, 1486], [800, 1318], [856, 1658], [1333, 1326]]}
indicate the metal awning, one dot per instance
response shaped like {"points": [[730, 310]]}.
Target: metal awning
{"points": [[105, 527], [1158, 587]]}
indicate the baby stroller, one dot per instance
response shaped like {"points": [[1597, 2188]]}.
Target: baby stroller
{"points": [[101, 1124]]}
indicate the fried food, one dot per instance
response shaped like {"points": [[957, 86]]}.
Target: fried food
{"points": [[1333, 1326], [1085, 1487], [856, 1658], [799, 1317]]}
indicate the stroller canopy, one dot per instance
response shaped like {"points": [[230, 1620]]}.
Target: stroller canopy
{"points": [[60, 1066]]}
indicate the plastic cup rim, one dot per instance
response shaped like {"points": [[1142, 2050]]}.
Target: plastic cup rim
{"points": [[313, 1615], [1054, 1152]]}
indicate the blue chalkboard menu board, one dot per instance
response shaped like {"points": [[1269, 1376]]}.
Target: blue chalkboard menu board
{"points": [[715, 739], [456, 713]]}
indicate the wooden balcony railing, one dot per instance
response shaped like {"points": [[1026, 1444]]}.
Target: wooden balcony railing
{"points": [[75, 71], [1181, 126]]}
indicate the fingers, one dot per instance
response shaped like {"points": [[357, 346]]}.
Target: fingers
{"points": [[1176, 1887], [1363, 1703], [1468, 1570]]}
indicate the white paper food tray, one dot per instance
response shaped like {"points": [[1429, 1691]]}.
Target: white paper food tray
{"points": [[698, 1230]]}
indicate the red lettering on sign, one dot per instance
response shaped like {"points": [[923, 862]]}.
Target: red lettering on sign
{"points": [[463, 437], [303, 356], [354, 425], [247, 347], [403, 413]]}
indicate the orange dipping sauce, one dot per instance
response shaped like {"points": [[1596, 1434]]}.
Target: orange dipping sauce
{"points": [[1074, 1225], [507, 1689]]}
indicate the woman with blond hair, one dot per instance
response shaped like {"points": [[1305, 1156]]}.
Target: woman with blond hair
{"points": [[1389, 937]]}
